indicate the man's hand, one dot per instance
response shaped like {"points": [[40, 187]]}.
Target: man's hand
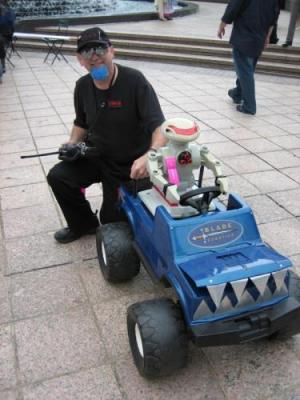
{"points": [[221, 30], [139, 169], [70, 152], [268, 37], [267, 42]]}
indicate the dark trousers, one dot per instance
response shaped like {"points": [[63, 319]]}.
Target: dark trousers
{"points": [[2, 53], [295, 10], [245, 84], [68, 178], [274, 38], [4, 43]]}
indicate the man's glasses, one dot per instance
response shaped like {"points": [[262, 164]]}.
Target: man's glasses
{"points": [[88, 53]]}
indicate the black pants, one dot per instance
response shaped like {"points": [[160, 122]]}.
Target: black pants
{"points": [[274, 38], [2, 50], [67, 178], [4, 43]]}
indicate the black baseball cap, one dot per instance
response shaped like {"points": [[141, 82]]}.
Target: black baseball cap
{"points": [[92, 36]]}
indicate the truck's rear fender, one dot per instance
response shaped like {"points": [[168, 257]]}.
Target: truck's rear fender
{"points": [[151, 234]]}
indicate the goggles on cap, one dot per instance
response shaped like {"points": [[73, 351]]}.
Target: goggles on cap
{"points": [[98, 50]]}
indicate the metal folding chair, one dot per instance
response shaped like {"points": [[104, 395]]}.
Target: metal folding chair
{"points": [[55, 45], [62, 26]]}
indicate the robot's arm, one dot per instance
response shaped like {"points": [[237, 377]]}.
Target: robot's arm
{"points": [[215, 166], [155, 170]]}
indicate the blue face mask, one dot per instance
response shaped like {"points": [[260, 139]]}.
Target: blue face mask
{"points": [[100, 73]]}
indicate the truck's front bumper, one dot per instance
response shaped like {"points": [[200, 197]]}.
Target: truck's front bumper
{"points": [[283, 318]]}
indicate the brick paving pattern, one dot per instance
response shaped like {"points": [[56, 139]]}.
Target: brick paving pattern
{"points": [[62, 327]]}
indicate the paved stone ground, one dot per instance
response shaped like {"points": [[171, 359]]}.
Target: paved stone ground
{"points": [[62, 327]]}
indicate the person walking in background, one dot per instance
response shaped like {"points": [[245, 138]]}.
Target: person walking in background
{"points": [[2, 41], [253, 21], [7, 27], [165, 9], [159, 4], [295, 9], [274, 39], [169, 9]]}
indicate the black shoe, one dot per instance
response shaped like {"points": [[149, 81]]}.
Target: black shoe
{"points": [[235, 99], [242, 109], [65, 235], [288, 43]]}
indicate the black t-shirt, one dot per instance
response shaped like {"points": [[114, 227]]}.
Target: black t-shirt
{"points": [[120, 120]]}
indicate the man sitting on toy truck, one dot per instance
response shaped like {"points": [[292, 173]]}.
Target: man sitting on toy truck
{"points": [[118, 113]]}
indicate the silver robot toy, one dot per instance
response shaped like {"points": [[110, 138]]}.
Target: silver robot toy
{"points": [[171, 168]]}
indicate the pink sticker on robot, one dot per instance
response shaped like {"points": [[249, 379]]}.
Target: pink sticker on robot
{"points": [[173, 176]]}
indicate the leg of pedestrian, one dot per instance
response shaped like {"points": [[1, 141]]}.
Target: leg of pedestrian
{"points": [[295, 9], [245, 68]]}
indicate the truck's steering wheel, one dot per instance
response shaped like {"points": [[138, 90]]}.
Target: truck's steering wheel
{"points": [[202, 203]]}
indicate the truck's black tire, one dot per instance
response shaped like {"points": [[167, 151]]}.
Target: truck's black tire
{"points": [[117, 258], [157, 336]]}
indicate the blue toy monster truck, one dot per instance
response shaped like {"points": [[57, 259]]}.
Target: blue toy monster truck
{"points": [[230, 286]]}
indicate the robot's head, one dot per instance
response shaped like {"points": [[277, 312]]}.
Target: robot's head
{"points": [[180, 130]]}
